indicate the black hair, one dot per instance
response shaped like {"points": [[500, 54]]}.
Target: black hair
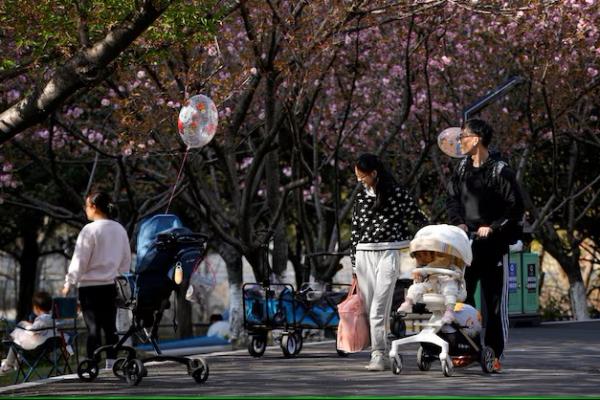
{"points": [[481, 129], [215, 318], [385, 182], [43, 300], [102, 201]]}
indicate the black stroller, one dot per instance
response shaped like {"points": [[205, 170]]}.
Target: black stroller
{"points": [[171, 256]]}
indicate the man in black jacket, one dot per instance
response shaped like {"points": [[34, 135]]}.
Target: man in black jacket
{"points": [[484, 200]]}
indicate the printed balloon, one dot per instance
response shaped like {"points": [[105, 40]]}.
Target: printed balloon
{"points": [[466, 316], [197, 121], [449, 142]]}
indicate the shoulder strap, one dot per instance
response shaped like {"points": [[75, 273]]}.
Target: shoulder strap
{"points": [[496, 170], [498, 166], [462, 167]]}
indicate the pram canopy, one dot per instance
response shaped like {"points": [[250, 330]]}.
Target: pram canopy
{"points": [[447, 239], [175, 246], [150, 227]]}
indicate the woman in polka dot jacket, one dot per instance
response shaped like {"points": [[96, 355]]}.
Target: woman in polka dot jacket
{"points": [[380, 218]]}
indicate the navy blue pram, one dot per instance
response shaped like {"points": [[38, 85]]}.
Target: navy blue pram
{"points": [[165, 249]]}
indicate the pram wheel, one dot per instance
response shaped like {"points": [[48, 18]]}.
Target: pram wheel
{"points": [[397, 365], [423, 361], [448, 367], [87, 370], [134, 371], [487, 359], [117, 368], [198, 369], [257, 345], [299, 342], [289, 345]]}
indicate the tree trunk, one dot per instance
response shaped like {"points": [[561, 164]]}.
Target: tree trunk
{"points": [[578, 297], [570, 265], [233, 260], [28, 272], [259, 261], [567, 257]]}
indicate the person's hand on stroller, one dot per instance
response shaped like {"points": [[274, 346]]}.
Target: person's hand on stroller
{"points": [[484, 231]]}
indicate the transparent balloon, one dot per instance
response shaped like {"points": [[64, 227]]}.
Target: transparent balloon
{"points": [[449, 142], [467, 317], [197, 121]]}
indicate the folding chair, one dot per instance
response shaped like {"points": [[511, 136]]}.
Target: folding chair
{"points": [[65, 314], [53, 350]]}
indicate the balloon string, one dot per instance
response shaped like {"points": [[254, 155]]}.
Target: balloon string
{"points": [[177, 181]]}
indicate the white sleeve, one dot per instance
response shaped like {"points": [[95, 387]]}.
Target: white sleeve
{"points": [[41, 322], [125, 265], [81, 257]]}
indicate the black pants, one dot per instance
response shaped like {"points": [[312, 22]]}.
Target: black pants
{"points": [[488, 267], [99, 313]]}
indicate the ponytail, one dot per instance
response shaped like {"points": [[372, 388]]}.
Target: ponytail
{"points": [[103, 203]]}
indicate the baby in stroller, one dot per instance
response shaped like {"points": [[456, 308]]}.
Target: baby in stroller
{"points": [[166, 257], [452, 334], [431, 247]]}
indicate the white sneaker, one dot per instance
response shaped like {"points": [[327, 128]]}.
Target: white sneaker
{"points": [[109, 363], [378, 362]]}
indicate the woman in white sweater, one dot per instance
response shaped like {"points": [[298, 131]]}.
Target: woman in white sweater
{"points": [[101, 253]]}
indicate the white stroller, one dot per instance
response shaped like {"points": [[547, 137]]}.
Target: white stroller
{"points": [[458, 343]]}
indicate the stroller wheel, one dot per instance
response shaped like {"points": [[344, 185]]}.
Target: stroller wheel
{"points": [[257, 346], [87, 370], [299, 341], [198, 369], [117, 368], [398, 328], [134, 371], [289, 345], [487, 359], [423, 361], [397, 365], [448, 367]]}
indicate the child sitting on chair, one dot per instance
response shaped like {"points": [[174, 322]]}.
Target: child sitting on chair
{"points": [[434, 246], [30, 335]]}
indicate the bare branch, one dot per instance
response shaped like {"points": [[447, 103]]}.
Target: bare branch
{"points": [[85, 68]]}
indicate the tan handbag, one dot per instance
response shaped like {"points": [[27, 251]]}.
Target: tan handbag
{"points": [[353, 330]]}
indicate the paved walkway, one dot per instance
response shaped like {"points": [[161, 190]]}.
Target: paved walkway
{"points": [[551, 359]]}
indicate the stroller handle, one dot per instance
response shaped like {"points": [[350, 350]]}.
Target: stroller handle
{"points": [[195, 236], [439, 271], [182, 238]]}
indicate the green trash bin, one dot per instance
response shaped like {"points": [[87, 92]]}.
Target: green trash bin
{"points": [[515, 290], [531, 277]]}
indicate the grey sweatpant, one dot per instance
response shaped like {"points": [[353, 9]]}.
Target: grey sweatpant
{"points": [[377, 272]]}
